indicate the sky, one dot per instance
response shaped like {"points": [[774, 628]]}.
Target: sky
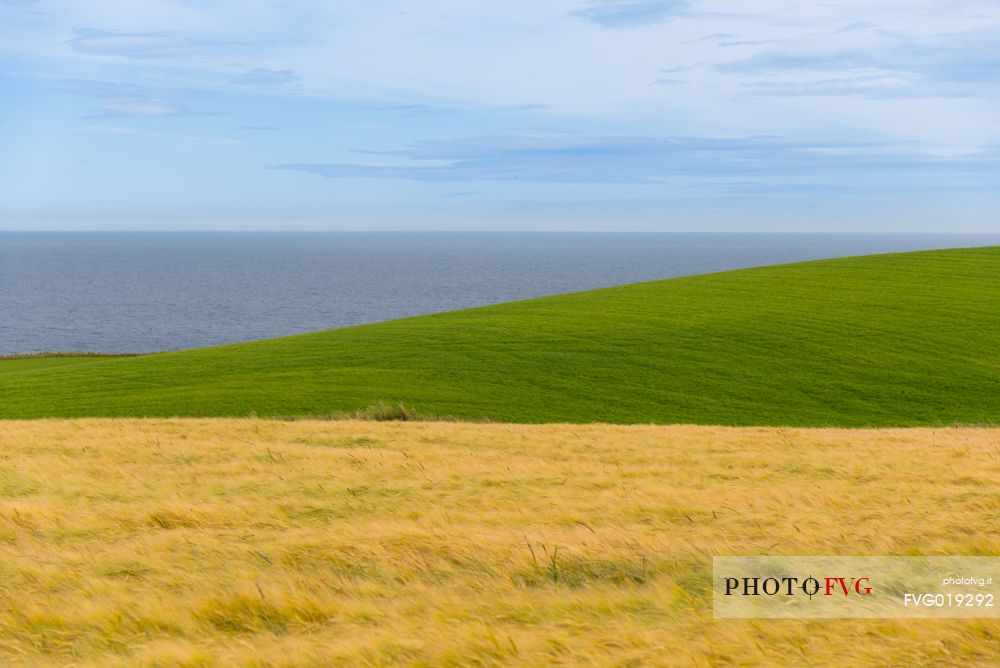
{"points": [[658, 115]]}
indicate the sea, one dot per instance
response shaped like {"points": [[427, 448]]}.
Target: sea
{"points": [[151, 291]]}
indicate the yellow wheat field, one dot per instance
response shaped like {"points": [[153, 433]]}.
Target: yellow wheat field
{"points": [[247, 542]]}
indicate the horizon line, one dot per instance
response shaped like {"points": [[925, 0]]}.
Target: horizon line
{"points": [[495, 231]]}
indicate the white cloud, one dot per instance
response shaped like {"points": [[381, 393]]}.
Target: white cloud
{"points": [[261, 76], [897, 70], [631, 13], [132, 101]]}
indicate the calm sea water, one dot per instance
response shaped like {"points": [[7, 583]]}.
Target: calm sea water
{"points": [[141, 292]]}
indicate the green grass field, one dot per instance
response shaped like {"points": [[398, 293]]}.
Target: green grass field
{"points": [[890, 340], [19, 364]]}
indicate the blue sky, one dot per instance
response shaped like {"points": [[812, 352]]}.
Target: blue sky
{"points": [[714, 115]]}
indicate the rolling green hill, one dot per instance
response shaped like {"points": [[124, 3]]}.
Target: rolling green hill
{"points": [[906, 339]]}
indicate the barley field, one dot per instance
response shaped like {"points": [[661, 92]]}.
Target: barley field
{"points": [[169, 542]]}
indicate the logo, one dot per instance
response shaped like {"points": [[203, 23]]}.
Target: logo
{"points": [[856, 587]]}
